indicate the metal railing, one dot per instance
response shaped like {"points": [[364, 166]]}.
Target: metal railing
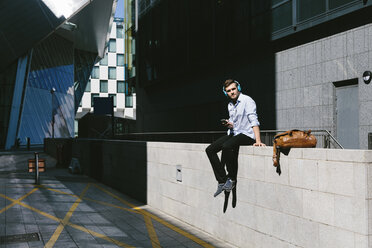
{"points": [[184, 137], [324, 137]]}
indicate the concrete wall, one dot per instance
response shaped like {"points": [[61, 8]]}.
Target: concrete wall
{"points": [[119, 164], [322, 198], [60, 149], [305, 76]]}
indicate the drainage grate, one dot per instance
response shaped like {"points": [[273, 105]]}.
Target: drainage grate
{"points": [[19, 238]]}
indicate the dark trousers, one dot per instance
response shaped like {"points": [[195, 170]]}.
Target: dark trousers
{"points": [[229, 145]]}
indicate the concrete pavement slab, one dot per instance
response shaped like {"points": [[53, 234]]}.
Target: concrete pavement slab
{"points": [[68, 210]]}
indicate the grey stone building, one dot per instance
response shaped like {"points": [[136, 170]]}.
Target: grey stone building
{"points": [[319, 85]]}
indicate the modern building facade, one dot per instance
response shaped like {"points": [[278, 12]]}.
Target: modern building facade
{"points": [[302, 62], [109, 78], [130, 28], [319, 84], [47, 56]]}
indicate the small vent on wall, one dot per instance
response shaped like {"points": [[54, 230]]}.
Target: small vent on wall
{"points": [[179, 173]]}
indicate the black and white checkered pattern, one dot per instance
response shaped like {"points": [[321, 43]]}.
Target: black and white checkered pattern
{"points": [[120, 109]]}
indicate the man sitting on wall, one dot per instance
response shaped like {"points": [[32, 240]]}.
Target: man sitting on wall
{"points": [[243, 129]]}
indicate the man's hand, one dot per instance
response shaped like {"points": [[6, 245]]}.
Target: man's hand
{"points": [[229, 124], [259, 144]]}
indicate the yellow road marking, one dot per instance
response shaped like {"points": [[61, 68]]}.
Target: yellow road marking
{"points": [[86, 230], [38, 211], [147, 217], [16, 201], [58, 191], [145, 213], [150, 228], [96, 201], [180, 231], [111, 205], [118, 198], [152, 233], [153, 237], [65, 220], [100, 235]]}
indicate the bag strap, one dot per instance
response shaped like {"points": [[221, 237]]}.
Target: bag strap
{"points": [[285, 133]]}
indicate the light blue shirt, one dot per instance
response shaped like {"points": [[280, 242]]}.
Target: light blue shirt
{"points": [[243, 115]]}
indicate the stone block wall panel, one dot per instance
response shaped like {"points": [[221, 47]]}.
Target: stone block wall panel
{"points": [[306, 73], [321, 198]]}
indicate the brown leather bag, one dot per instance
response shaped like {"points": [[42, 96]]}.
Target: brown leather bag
{"points": [[283, 142]]}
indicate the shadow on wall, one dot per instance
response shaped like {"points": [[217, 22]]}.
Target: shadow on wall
{"points": [[119, 164], [198, 45], [60, 149]]}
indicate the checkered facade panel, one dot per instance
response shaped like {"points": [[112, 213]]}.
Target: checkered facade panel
{"points": [[108, 78]]}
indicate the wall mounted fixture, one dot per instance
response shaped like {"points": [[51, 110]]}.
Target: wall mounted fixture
{"points": [[179, 173], [367, 76], [69, 26]]}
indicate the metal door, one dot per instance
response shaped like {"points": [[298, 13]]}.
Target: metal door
{"points": [[347, 116]]}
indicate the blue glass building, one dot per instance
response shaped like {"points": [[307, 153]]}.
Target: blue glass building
{"points": [[48, 51]]}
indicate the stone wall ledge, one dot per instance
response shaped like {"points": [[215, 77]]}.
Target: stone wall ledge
{"points": [[321, 199]]}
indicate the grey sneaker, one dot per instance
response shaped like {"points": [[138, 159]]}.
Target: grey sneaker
{"points": [[229, 185], [219, 189]]}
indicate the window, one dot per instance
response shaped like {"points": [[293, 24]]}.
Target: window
{"points": [[120, 59], [132, 89], [282, 16], [337, 3], [95, 72], [104, 60], [92, 96], [113, 96], [120, 87], [103, 86], [129, 101], [275, 2], [112, 46], [77, 86], [87, 87], [310, 8], [119, 31], [129, 88], [112, 72], [119, 128], [126, 88]]}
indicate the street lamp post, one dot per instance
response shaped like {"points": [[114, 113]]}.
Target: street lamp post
{"points": [[52, 92]]}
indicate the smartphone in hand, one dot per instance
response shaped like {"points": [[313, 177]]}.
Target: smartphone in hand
{"points": [[223, 121]]}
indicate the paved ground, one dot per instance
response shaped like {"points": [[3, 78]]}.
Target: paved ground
{"points": [[75, 211]]}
